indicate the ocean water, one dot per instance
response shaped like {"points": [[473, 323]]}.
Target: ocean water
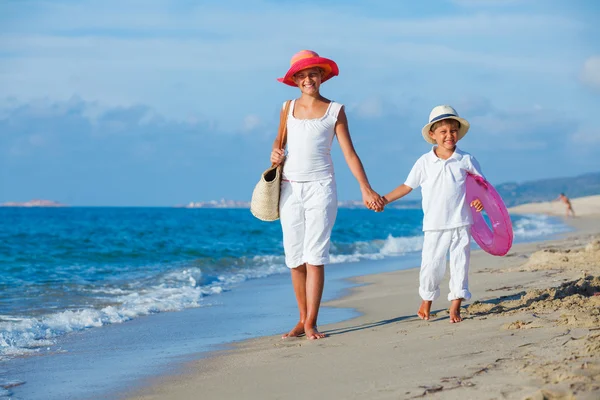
{"points": [[69, 270]]}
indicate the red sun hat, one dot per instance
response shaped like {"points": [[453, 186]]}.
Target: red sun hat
{"points": [[307, 59]]}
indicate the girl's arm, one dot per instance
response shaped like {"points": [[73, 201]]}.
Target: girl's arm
{"points": [[397, 193], [370, 198]]}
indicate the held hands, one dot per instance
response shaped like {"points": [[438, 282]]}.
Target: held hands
{"points": [[277, 156], [477, 205], [372, 200]]}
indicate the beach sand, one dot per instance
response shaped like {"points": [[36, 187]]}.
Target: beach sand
{"points": [[531, 331], [583, 206]]}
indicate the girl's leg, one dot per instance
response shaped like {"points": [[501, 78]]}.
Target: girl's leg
{"points": [[299, 282], [315, 281], [460, 254], [320, 202], [291, 215]]}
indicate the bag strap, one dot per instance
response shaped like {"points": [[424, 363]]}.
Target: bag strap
{"points": [[282, 134]]}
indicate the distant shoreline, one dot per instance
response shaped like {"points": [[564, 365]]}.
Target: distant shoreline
{"points": [[352, 204], [581, 204], [33, 203]]}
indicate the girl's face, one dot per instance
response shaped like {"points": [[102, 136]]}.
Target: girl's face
{"points": [[445, 134], [309, 80]]}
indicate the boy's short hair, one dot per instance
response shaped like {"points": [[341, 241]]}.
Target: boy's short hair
{"points": [[442, 122]]}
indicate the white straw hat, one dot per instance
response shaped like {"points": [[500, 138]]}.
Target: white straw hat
{"points": [[445, 112]]}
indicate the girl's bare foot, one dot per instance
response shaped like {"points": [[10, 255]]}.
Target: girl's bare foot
{"points": [[296, 331], [455, 311], [312, 333], [424, 310]]}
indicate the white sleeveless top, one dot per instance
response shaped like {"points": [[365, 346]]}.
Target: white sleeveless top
{"points": [[309, 145]]}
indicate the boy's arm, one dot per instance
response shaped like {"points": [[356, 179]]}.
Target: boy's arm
{"points": [[397, 193], [413, 180], [475, 168]]}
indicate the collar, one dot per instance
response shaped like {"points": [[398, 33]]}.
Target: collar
{"points": [[457, 155]]}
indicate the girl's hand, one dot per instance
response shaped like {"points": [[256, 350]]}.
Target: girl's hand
{"points": [[372, 200], [477, 204], [277, 156]]}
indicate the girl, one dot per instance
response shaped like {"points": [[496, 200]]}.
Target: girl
{"points": [[308, 199]]}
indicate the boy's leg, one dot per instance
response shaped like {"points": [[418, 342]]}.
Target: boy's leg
{"points": [[460, 253], [433, 267], [425, 309]]}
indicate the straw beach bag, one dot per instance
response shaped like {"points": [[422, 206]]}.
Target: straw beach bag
{"points": [[265, 197]]}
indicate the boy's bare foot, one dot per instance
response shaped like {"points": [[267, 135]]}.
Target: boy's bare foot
{"points": [[296, 331], [313, 333], [424, 310], [455, 311]]}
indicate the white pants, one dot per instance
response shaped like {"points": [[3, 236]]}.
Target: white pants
{"points": [[433, 265], [307, 211]]}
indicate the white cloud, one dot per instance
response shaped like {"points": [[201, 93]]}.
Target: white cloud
{"points": [[36, 140], [191, 61], [143, 150], [150, 151], [472, 106], [586, 135], [531, 128], [486, 3], [590, 74], [255, 18], [369, 108], [251, 122]]}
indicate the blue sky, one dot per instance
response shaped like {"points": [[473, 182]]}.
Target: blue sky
{"points": [[165, 102]]}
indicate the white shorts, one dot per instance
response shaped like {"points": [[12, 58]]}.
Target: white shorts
{"points": [[307, 211]]}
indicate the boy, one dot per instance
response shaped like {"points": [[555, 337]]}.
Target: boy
{"points": [[442, 173]]}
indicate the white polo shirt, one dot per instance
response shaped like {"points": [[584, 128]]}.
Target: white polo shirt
{"points": [[443, 188]]}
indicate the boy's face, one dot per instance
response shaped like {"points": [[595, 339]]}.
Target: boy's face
{"points": [[446, 133], [309, 80]]}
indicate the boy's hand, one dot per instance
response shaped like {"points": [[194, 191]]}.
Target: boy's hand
{"points": [[377, 208], [372, 200], [381, 206], [477, 205]]}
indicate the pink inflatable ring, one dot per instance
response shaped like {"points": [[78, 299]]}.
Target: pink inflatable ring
{"points": [[498, 240]]}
